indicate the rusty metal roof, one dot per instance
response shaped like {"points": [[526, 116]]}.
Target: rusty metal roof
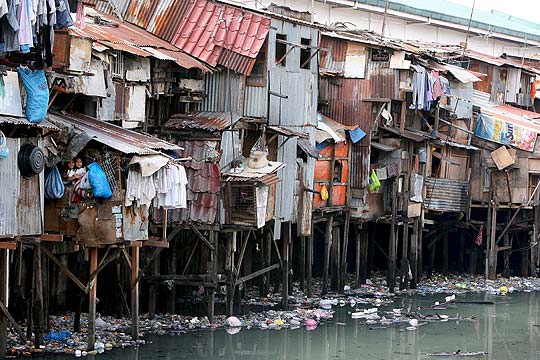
{"points": [[446, 194], [113, 33], [116, 137], [208, 121], [209, 28], [23, 121]]}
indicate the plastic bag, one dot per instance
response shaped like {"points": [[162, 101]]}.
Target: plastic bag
{"points": [[98, 181], [54, 187], [37, 93], [85, 181], [374, 182], [4, 150]]}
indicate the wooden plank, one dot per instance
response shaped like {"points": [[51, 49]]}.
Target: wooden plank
{"points": [[64, 269], [8, 245], [156, 243], [257, 274], [52, 237]]}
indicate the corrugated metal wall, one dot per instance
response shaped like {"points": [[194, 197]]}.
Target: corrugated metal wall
{"points": [[20, 212], [223, 90], [256, 101], [446, 194]]}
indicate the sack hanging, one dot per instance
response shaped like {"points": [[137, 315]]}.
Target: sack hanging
{"points": [[98, 181], [54, 187], [37, 93], [374, 182]]}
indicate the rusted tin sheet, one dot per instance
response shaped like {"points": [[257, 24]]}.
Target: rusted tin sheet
{"points": [[116, 137], [208, 121], [332, 55], [446, 194], [132, 39], [21, 200]]}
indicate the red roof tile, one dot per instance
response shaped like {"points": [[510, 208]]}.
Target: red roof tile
{"points": [[210, 28]]}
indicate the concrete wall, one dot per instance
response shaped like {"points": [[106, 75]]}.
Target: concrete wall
{"points": [[401, 28]]}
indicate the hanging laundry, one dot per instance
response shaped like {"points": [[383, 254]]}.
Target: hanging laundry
{"points": [[26, 14], [171, 185], [140, 190], [420, 88], [436, 89], [63, 14], [445, 86], [3, 8], [79, 22], [9, 28]]}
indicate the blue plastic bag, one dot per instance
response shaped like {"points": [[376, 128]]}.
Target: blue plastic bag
{"points": [[4, 150], [54, 187], [37, 93], [98, 181]]}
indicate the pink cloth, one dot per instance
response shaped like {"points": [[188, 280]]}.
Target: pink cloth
{"points": [[436, 85], [81, 24]]}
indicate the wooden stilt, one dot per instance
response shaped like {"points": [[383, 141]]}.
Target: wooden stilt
{"points": [[421, 246], [336, 250], [445, 254], [212, 275], [414, 254], [302, 261], [267, 260], [153, 288], [285, 263], [39, 321], [4, 264], [327, 245], [507, 243], [135, 292], [391, 276], [358, 255], [172, 262], [309, 270], [92, 300], [346, 231], [364, 239], [432, 251], [461, 251], [229, 260], [404, 284], [492, 253]]}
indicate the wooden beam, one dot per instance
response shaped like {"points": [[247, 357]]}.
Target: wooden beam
{"points": [[16, 326], [64, 269], [156, 243], [257, 274], [202, 237], [8, 245]]}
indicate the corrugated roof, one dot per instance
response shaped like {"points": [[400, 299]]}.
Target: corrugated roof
{"points": [[23, 121], [123, 36], [116, 137], [208, 121], [209, 28]]}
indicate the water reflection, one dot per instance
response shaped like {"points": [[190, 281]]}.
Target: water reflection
{"points": [[507, 330]]}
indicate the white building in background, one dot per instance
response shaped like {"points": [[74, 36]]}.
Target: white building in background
{"points": [[491, 32]]}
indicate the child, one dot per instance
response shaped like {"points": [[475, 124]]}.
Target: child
{"points": [[77, 172]]}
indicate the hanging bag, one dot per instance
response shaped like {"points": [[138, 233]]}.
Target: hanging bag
{"points": [[37, 93], [4, 150], [98, 181], [54, 187]]}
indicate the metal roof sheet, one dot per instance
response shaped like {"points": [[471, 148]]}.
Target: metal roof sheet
{"points": [[208, 121], [116, 137], [23, 121], [111, 32], [446, 194], [209, 28]]}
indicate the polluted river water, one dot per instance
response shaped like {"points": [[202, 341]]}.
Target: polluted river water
{"points": [[494, 327]]}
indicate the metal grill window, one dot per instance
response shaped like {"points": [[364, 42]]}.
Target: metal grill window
{"points": [[117, 64], [244, 207]]}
